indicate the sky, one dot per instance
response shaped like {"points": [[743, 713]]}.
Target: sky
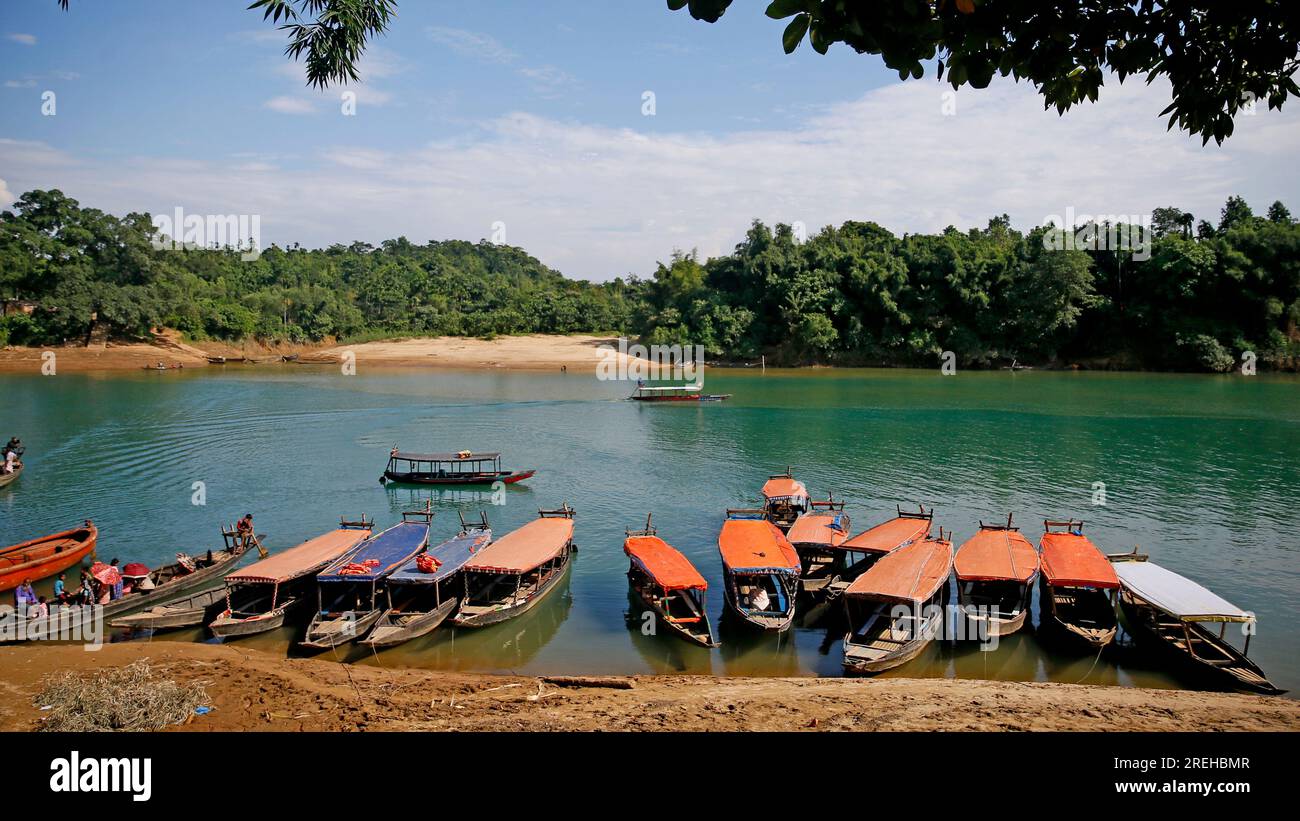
{"points": [[528, 122]]}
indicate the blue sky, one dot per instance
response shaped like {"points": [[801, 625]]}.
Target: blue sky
{"points": [[529, 114]]}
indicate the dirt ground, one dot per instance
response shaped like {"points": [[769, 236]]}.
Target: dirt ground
{"points": [[530, 352], [253, 690]]}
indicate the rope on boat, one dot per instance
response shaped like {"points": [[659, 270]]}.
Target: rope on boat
{"points": [[1094, 664]]}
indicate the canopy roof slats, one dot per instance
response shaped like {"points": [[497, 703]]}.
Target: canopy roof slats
{"points": [[404, 456], [526, 548], [1071, 560], [819, 528], [663, 563], [996, 554], [756, 545], [451, 555], [783, 487], [912, 573], [889, 536], [381, 553], [303, 559]]}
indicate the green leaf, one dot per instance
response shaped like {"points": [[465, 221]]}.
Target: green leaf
{"points": [[781, 9], [794, 33]]}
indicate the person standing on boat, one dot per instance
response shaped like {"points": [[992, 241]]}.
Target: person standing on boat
{"points": [[11, 461], [117, 585], [13, 446]]}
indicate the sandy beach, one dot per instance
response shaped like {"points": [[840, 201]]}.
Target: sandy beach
{"points": [[528, 352], [253, 690]]}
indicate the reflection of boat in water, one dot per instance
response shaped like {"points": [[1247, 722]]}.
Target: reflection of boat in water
{"points": [[663, 654], [746, 652], [995, 570]]}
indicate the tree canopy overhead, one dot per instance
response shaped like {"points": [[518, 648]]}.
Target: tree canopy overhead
{"points": [[1220, 57]]}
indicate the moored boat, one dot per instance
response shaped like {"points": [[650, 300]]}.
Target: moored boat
{"points": [[669, 585], [1078, 584], [349, 600], [817, 536], [10, 478], [784, 499], [425, 590], [895, 608], [995, 569], [260, 596], [43, 557], [760, 570], [1176, 612], [461, 468], [512, 574], [188, 611], [855, 555]]}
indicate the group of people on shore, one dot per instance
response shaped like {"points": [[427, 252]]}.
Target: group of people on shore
{"points": [[91, 592], [11, 455]]}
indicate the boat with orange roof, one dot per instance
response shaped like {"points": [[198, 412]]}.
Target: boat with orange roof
{"points": [[761, 570], [996, 569], [1079, 586], [669, 585], [785, 498]]}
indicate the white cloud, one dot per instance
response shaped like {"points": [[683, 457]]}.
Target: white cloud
{"points": [[290, 105], [472, 44], [6, 197], [596, 201], [25, 39]]}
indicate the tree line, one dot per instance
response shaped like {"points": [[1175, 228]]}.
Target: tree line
{"points": [[1202, 296]]}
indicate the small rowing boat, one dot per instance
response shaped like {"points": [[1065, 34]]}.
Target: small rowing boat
{"points": [[1176, 612], [40, 558], [10, 478], [462, 468], [424, 591], [760, 570], [996, 569], [348, 595], [784, 499], [669, 585], [817, 536], [511, 575], [676, 393], [1078, 586], [895, 609], [259, 597]]}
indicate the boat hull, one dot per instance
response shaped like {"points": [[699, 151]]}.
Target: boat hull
{"points": [[227, 626], [508, 477], [1093, 634], [391, 630], [324, 633], [10, 478], [776, 621], [700, 637], [715, 397], [189, 612], [41, 558], [476, 616], [1001, 623], [863, 660]]}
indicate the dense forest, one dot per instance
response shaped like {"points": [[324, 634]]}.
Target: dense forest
{"points": [[853, 294]]}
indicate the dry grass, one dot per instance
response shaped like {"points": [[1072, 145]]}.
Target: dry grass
{"points": [[133, 697]]}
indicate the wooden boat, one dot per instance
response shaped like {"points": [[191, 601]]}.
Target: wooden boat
{"points": [[817, 536], [463, 468], [676, 393], [189, 611], [349, 598], [166, 583], [996, 569], [418, 600], [175, 367], [669, 585], [259, 597], [511, 575], [40, 558], [1176, 612], [895, 608], [784, 499], [1078, 586], [760, 570], [10, 478], [856, 555]]}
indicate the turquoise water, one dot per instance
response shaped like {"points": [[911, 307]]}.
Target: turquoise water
{"points": [[1203, 472]]}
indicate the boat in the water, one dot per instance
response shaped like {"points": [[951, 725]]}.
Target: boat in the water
{"points": [[425, 590], [896, 608], [676, 393], [760, 570], [1177, 614], [349, 598], [193, 610], [461, 468], [669, 585], [150, 588], [996, 569], [41, 558], [260, 596], [856, 555], [512, 574], [817, 537], [784, 499], [1079, 586], [10, 478]]}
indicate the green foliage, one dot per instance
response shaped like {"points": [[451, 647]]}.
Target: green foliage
{"points": [[1220, 58]]}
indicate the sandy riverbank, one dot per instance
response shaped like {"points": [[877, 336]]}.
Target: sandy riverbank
{"points": [[530, 352], [253, 690]]}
